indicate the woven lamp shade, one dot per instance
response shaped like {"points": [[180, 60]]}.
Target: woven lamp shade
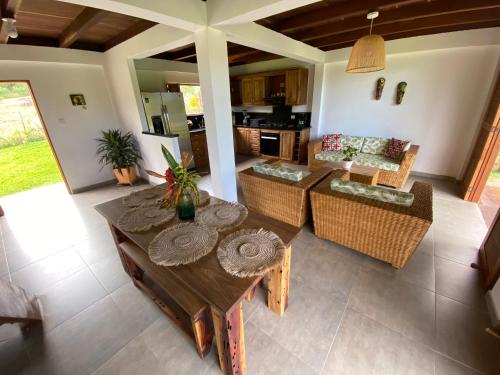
{"points": [[367, 55]]}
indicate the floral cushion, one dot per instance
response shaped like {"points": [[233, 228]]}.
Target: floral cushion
{"points": [[395, 149], [279, 171], [378, 193], [332, 142], [351, 140], [374, 145], [368, 160]]}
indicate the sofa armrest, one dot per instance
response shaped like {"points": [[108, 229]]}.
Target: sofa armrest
{"points": [[422, 202], [309, 181], [410, 155]]}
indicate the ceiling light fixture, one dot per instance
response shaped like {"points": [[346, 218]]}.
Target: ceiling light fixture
{"points": [[368, 53], [11, 27]]}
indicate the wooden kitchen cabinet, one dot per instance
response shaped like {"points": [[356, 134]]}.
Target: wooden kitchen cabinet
{"points": [[296, 86], [287, 144], [235, 87], [254, 90], [200, 150], [247, 141]]}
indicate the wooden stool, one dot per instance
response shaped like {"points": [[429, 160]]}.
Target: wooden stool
{"points": [[364, 175]]}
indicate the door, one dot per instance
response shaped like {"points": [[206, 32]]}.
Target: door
{"points": [[485, 151], [246, 91], [490, 254], [286, 145], [259, 90]]}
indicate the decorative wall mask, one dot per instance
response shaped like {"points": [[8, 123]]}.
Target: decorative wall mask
{"points": [[400, 92], [380, 88]]}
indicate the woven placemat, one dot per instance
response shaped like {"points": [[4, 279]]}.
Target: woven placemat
{"points": [[204, 198], [182, 244], [146, 197], [222, 216], [143, 218], [250, 252]]}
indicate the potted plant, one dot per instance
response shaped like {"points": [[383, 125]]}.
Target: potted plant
{"points": [[349, 152], [121, 152], [181, 185]]}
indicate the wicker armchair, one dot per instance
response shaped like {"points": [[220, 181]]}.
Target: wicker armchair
{"points": [[385, 231], [395, 179], [281, 199]]}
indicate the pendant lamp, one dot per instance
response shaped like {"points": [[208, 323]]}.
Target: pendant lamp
{"points": [[368, 53]]}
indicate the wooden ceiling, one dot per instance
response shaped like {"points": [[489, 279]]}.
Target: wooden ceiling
{"points": [[59, 24], [334, 24], [328, 24]]}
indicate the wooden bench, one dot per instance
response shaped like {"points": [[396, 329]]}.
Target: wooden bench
{"points": [[186, 309]]}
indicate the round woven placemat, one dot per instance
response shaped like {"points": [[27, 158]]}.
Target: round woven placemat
{"points": [[250, 252], [222, 216], [182, 244], [204, 198], [143, 218], [146, 197]]}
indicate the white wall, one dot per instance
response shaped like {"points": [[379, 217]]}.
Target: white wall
{"points": [[445, 98], [152, 74], [72, 129], [122, 79]]}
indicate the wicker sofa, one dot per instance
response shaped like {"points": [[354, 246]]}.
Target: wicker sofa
{"points": [[392, 178], [281, 199], [382, 230]]}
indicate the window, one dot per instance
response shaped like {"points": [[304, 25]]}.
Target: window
{"points": [[192, 99]]}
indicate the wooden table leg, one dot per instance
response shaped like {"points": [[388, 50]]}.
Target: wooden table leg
{"points": [[229, 336], [279, 282]]}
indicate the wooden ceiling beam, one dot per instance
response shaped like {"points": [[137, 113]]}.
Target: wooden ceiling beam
{"points": [[456, 19], [8, 9], [85, 20], [436, 30], [137, 28], [336, 12], [410, 12]]}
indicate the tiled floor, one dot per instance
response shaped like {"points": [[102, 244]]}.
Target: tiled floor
{"points": [[348, 313]]}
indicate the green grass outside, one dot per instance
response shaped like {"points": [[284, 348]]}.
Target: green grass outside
{"points": [[27, 166]]}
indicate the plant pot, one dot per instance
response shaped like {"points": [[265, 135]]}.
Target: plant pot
{"points": [[346, 164], [126, 176]]}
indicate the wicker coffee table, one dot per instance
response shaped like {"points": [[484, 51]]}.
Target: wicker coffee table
{"points": [[365, 175]]}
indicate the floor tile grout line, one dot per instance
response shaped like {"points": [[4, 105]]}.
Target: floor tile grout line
{"points": [[339, 326]]}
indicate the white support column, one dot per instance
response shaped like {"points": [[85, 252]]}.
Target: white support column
{"points": [[213, 69], [317, 100]]}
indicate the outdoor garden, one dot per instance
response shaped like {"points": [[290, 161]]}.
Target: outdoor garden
{"points": [[26, 160]]}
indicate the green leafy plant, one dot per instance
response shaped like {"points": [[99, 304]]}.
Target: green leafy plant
{"points": [[349, 152], [179, 179], [117, 149]]}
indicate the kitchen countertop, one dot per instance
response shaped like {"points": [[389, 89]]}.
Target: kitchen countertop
{"points": [[199, 130], [268, 127]]}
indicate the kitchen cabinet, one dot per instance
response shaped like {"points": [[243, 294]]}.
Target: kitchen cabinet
{"points": [[296, 87], [261, 88], [247, 141], [200, 150], [254, 90], [293, 143], [235, 87], [287, 143]]}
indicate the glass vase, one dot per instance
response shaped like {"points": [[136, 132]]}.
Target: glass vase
{"points": [[185, 207]]}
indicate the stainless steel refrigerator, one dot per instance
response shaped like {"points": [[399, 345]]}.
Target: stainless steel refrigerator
{"points": [[166, 114]]}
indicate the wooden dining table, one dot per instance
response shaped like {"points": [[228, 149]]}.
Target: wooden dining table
{"points": [[205, 280]]}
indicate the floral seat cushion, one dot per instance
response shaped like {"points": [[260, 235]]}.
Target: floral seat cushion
{"points": [[374, 145], [378, 193], [279, 171], [367, 160]]}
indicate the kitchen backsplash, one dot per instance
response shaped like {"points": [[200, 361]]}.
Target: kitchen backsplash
{"points": [[294, 117]]}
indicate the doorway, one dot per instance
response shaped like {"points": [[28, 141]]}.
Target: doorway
{"points": [[27, 158]]}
